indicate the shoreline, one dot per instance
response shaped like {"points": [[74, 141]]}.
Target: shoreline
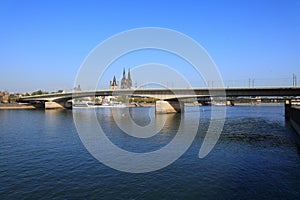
{"points": [[27, 106], [17, 106], [256, 104]]}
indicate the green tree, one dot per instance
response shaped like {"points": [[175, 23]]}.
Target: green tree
{"points": [[39, 92]]}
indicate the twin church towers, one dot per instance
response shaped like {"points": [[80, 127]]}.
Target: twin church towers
{"points": [[126, 83]]}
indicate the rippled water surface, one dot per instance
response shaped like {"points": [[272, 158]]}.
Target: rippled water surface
{"points": [[256, 157]]}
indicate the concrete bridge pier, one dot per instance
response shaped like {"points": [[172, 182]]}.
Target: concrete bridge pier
{"points": [[229, 103], [287, 108], [58, 105], [295, 118], [53, 105], [169, 106]]}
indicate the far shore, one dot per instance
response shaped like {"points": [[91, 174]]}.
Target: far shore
{"points": [[27, 106], [16, 106]]}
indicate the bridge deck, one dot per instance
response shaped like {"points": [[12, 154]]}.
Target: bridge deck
{"points": [[170, 93]]}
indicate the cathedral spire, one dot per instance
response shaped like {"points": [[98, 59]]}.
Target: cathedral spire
{"points": [[128, 76], [124, 73], [114, 81], [113, 84], [126, 83]]}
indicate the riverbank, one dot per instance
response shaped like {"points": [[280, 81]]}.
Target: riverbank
{"points": [[255, 104], [16, 106], [27, 106]]}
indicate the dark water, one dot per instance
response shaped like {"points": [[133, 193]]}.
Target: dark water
{"points": [[257, 157]]}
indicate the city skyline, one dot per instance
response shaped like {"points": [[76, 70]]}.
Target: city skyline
{"points": [[44, 43]]}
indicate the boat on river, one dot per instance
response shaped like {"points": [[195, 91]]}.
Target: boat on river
{"points": [[83, 104]]}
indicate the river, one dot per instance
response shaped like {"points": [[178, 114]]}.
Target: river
{"points": [[256, 157]]}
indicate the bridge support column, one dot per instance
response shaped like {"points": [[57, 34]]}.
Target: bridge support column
{"points": [[287, 108], [295, 118], [229, 103], [53, 105], [174, 106]]}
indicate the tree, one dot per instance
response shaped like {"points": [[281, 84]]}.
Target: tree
{"points": [[39, 92]]}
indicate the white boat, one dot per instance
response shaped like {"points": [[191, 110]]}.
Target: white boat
{"points": [[83, 105], [115, 104], [91, 105]]}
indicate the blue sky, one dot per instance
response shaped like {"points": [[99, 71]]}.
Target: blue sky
{"points": [[43, 43]]}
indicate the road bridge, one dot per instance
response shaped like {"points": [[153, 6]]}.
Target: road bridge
{"points": [[168, 98]]}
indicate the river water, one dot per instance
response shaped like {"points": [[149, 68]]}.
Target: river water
{"points": [[256, 157]]}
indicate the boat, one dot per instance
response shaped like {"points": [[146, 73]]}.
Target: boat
{"points": [[113, 104], [83, 104]]}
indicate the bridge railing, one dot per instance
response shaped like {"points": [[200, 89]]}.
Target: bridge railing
{"points": [[243, 83], [256, 83]]}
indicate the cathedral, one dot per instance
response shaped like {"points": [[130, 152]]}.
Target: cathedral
{"points": [[126, 83]]}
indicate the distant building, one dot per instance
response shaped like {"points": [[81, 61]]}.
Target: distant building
{"points": [[113, 84], [126, 83], [77, 89], [4, 97]]}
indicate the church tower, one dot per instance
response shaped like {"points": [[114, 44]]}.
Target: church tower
{"points": [[113, 85], [129, 81], [124, 80]]}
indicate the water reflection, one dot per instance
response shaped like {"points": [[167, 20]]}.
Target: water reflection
{"points": [[112, 121], [107, 136]]}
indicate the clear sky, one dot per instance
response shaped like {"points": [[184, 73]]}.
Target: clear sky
{"points": [[44, 42]]}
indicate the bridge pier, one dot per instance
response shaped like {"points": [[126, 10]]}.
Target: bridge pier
{"points": [[53, 105], [295, 118], [58, 105], [287, 108], [229, 103], [169, 106]]}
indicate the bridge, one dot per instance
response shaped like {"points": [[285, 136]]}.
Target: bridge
{"points": [[169, 99]]}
